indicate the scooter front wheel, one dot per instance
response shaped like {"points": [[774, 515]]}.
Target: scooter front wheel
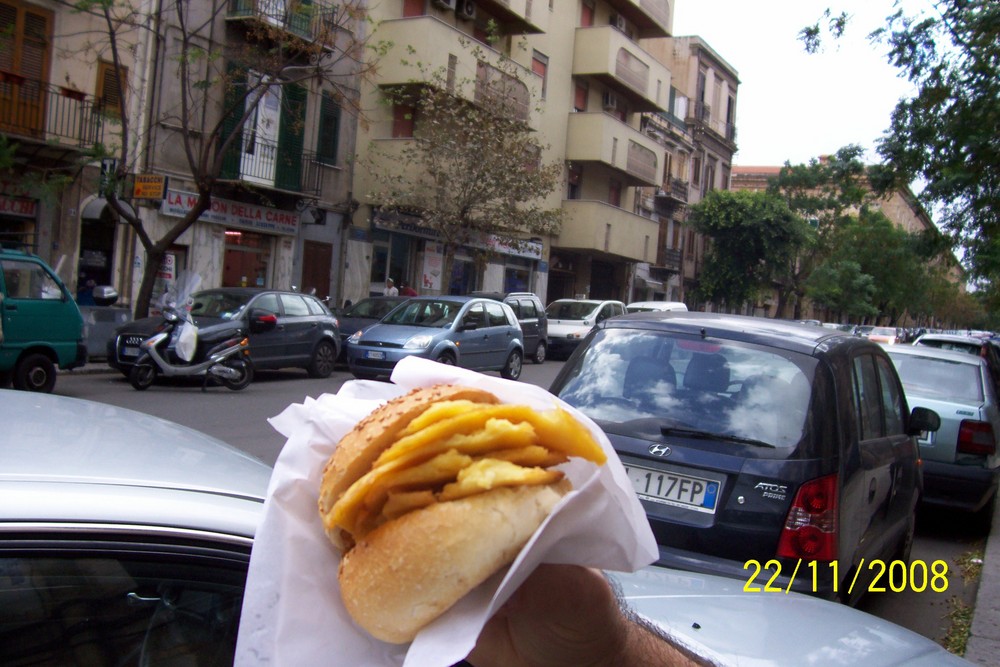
{"points": [[244, 368], [142, 375]]}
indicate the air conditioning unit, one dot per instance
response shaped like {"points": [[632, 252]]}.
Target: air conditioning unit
{"points": [[618, 21], [466, 10], [609, 102], [446, 4]]}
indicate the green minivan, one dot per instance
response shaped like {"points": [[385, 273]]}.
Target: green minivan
{"points": [[41, 327]]}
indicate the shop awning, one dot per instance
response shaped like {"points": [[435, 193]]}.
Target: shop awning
{"points": [[93, 209]]}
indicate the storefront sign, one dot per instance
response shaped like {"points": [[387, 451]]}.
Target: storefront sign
{"points": [[149, 186], [233, 213], [18, 207]]}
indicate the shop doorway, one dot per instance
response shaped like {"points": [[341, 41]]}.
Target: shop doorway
{"points": [[317, 259], [247, 259]]}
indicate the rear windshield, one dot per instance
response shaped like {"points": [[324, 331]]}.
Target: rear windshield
{"points": [[626, 378], [939, 378]]}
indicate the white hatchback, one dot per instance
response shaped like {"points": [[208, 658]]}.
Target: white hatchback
{"points": [[570, 320]]}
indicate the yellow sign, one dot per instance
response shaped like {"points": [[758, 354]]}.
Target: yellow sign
{"points": [[149, 186]]}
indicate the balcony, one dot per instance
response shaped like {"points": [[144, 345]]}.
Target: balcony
{"points": [[261, 163], [518, 17], [668, 262], [599, 137], [310, 21], [51, 115], [606, 54], [596, 225], [674, 190], [473, 70], [651, 18]]}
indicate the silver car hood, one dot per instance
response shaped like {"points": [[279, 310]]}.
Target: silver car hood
{"points": [[717, 619]]}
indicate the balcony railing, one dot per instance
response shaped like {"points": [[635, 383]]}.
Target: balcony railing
{"points": [[44, 112], [675, 188], [670, 259], [308, 20], [261, 163]]}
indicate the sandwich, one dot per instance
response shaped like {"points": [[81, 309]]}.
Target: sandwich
{"points": [[434, 492]]}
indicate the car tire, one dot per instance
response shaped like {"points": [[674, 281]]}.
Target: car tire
{"points": [[324, 358], [512, 369], [447, 358], [35, 372], [539, 353], [142, 376], [906, 543]]}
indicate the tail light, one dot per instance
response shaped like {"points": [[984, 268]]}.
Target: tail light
{"points": [[975, 437], [810, 530]]}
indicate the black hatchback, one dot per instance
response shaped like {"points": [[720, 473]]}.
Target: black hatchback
{"points": [[757, 446]]}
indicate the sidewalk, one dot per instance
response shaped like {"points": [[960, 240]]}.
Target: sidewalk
{"points": [[983, 647]]}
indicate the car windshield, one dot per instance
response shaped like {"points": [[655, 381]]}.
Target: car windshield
{"points": [[939, 378], [570, 310], [630, 381], [224, 305], [883, 331], [425, 313], [374, 308]]}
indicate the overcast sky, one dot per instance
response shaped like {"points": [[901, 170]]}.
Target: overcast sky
{"points": [[791, 105]]}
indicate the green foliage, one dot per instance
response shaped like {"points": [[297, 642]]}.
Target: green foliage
{"points": [[753, 234], [843, 287], [946, 133]]}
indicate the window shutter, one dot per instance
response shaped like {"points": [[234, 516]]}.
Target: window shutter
{"points": [[329, 130], [291, 138], [234, 107]]}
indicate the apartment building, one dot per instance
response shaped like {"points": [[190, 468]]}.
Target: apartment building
{"points": [[599, 73], [56, 108], [279, 194]]}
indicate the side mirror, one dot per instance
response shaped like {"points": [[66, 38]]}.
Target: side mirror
{"points": [[262, 320], [923, 419]]}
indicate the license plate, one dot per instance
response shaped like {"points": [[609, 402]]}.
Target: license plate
{"points": [[130, 352], [670, 488], [374, 354]]}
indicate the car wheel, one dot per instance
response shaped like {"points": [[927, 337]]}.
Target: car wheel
{"points": [[246, 374], [906, 543], [35, 372], [512, 369], [539, 353], [142, 375], [446, 358], [323, 360], [4, 379]]}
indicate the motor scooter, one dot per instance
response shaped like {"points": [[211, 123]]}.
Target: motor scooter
{"points": [[224, 357]]}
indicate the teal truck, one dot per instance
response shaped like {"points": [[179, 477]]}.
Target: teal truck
{"points": [[41, 328]]}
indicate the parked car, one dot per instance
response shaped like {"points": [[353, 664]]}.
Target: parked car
{"points": [[570, 320], [961, 464], [645, 306], [307, 334], [751, 439], [363, 314], [887, 335], [969, 344], [41, 325], [116, 549], [472, 332], [531, 316]]}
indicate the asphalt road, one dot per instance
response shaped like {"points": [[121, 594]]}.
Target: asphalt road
{"points": [[240, 418]]}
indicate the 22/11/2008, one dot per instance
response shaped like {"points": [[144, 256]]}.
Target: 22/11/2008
{"points": [[898, 575]]}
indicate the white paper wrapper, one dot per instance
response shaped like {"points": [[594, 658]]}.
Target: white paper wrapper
{"points": [[292, 613]]}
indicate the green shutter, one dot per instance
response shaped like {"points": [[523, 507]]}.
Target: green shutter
{"points": [[234, 107], [329, 130], [291, 138]]}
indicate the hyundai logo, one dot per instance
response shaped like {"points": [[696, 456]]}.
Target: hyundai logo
{"points": [[659, 450]]}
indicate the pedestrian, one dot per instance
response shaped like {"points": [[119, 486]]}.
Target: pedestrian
{"points": [[390, 288], [406, 290]]}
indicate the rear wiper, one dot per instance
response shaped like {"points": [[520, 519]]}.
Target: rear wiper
{"points": [[708, 435]]}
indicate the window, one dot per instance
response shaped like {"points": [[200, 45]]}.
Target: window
{"points": [[329, 130], [497, 315], [615, 193], [867, 398], [27, 280], [696, 170], [24, 52], [413, 8], [295, 306], [403, 119], [110, 89], [574, 181], [540, 66], [892, 398], [586, 15], [580, 97], [689, 245]]}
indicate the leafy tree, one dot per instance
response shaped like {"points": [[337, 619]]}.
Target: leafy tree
{"points": [[946, 133], [826, 193], [843, 287], [752, 234], [210, 89], [472, 168]]}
